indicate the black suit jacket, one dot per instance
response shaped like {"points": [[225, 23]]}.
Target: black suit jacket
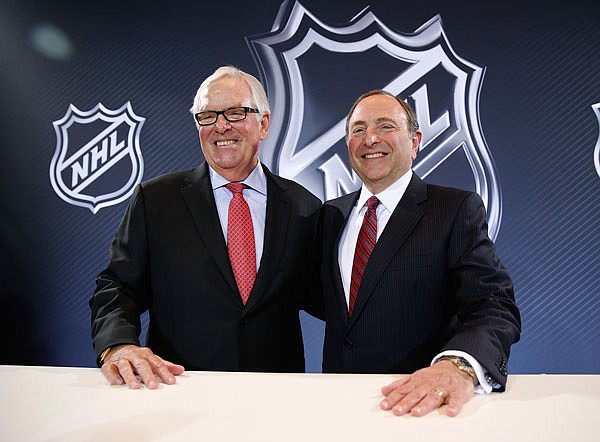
{"points": [[433, 283], [169, 257]]}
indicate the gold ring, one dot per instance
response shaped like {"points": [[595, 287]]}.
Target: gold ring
{"points": [[439, 392]]}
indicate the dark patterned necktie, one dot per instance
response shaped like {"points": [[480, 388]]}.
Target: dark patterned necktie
{"points": [[240, 241], [367, 237]]}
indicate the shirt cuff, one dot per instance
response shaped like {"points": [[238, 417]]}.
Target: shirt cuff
{"points": [[483, 387]]}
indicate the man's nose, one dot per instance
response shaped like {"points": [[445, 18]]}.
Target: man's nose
{"points": [[221, 125], [371, 137]]}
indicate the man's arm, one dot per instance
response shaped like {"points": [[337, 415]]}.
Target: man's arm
{"points": [[121, 296], [314, 303], [489, 321]]}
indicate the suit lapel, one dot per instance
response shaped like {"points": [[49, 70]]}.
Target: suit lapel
{"points": [[200, 200], [276, 226], [405, 217], [344, 206]]}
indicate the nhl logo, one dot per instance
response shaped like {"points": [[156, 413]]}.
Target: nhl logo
{"points": [[97, 162], [313, 72]]}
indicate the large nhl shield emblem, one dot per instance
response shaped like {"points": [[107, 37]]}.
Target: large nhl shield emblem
{"points": [[98, 161], [596, 108], [313, 72]]}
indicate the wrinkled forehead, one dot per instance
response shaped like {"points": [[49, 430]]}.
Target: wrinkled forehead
{"points": [[375, 118]]}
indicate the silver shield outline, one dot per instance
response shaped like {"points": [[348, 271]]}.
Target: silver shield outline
{"points": [[124, 114], [428, 45], [596, 108]]}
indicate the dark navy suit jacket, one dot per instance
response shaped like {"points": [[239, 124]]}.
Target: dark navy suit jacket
{"points": [[433, 283]]}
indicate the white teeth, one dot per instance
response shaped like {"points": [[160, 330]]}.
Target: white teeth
{"points": [[224, 143], [373, 155]]}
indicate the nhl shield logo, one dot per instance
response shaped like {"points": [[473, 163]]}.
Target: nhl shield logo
{"points": [[596, 108], [97, 162], [313, 72]]}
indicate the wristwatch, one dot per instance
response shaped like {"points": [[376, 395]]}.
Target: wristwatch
{"points": [[463, 365]]}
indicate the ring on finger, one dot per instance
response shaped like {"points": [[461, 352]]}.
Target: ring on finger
{"points": [[439, 392]]}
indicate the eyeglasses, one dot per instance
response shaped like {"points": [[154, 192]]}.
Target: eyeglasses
{"points": [[232, 115]]}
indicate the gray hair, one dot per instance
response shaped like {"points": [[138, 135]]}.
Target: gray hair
{"points": [[259, 95]]}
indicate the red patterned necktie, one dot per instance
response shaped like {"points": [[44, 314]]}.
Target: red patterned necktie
{"points": [[240, 241], [367, 237]]}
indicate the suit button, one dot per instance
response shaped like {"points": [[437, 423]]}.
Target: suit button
{"points": [[503, 369], [244, 321], [348, 344]]}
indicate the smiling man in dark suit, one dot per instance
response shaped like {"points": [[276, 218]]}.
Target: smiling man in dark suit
{"points": [[221, 256], [411, 280]]}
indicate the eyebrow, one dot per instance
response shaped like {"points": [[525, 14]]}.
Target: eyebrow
{"points": [[378, 120]]}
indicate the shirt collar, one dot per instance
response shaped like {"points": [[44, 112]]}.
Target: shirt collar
{"points": [[257, 180], [390, 197]]}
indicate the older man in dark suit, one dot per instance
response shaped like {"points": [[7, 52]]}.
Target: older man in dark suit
{"points": [[221, 256], [410, 278]]}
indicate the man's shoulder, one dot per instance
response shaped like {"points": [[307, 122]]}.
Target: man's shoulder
{"points": [[446, 191], [452, 197], [294, 190], [175, 179], [342, 201], [338, 209]]}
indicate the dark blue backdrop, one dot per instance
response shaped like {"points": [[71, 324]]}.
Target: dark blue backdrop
{"points": [[532, 73]]}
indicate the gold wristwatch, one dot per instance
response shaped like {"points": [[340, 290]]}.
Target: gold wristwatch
{"points": [[463, 365]]}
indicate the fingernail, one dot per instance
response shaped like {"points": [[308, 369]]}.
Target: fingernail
{"points": [[384, 405]]}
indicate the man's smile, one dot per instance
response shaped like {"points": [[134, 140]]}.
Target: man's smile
{"points": [[369, 156], [225, 143]]}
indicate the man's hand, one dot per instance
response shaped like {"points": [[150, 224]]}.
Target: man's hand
{"points": [[124, 362], [428, 389]]}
